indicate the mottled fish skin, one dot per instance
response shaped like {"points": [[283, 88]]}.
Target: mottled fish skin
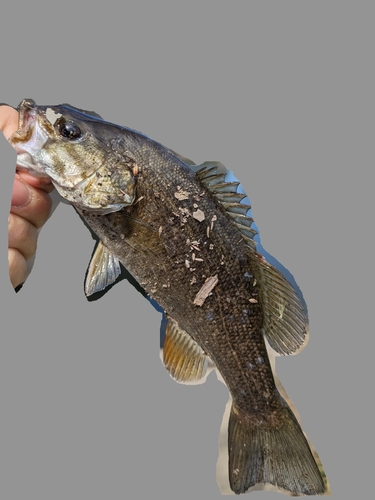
{"points": [[162, 221]]}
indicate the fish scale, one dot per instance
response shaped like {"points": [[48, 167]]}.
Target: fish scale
{"points": [[179, 275], [184, 235]]}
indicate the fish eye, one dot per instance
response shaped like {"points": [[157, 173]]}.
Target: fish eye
{"points": [[69, 130]]}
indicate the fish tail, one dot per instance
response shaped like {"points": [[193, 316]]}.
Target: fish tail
{"points": [[272, 451]]}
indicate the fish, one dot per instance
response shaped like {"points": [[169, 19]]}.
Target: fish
{"points": [[185, 235]]}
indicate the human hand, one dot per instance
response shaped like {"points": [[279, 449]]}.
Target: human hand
{"points": [[30, 209]]}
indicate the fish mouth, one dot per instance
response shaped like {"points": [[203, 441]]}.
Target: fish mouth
{"points": [[30, 137], [27, 112]]}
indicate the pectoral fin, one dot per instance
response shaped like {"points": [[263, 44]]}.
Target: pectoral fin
{"points": [[104, 269], [182, 356]]}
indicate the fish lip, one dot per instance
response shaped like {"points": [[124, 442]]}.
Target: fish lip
{"points": [[26, 124], [30, 116], [26, 103], [27, 111]]}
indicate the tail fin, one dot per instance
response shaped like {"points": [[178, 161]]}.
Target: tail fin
{"points": [[272, 452]]}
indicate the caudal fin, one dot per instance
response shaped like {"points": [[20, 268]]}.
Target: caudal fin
{"points": [[273, 451]]}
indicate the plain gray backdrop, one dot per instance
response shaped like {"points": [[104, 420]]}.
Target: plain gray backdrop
{"points": [[282, 94]]}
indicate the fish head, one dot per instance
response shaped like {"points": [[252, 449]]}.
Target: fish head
{"points": [[74, 148]]}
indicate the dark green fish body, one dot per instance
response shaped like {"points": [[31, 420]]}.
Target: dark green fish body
{"points": [[185, 236], [172, 272]]}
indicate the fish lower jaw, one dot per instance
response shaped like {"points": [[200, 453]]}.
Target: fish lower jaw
{"points": [[26, 162], [28, 140]]}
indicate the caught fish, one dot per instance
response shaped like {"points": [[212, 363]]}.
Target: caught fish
{"points": [[183, 233]]}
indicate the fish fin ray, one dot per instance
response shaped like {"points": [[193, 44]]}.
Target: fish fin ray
{"points": [[245, 229], [235, 209], [227, 187], [249, 240], [182, 356], [103, 270], [229, 197], [285, 316], [262, 452], [212, 175]]}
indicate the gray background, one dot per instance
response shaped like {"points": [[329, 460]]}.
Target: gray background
{"points": [[281, 93]]}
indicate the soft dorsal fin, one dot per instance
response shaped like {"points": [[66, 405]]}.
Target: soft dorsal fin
{"points": [[103, 270], [182, 356], [285, 316]]}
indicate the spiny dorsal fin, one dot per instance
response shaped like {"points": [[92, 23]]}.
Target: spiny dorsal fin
{"points": [[285, 317], [182, 356], [212, 175], [103, 270]]}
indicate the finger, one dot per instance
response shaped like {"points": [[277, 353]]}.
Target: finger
{"points": [[8, 125], [43, 183], [22, 235], [8, 120], [18, 271], [31, 203]]}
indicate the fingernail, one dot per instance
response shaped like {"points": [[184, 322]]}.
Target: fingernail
{"points": [[45, 180], [21, 193]]}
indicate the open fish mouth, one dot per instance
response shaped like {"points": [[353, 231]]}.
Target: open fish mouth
{"points": [[27, 111], [30, 138]]}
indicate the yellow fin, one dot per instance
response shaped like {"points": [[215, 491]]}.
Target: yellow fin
{"points": [[182, 356]]}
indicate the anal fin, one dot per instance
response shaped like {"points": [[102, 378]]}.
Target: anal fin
{"points": [[182, 356]]}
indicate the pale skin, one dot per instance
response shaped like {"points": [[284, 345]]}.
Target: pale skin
{"points": [[30, 209]]}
